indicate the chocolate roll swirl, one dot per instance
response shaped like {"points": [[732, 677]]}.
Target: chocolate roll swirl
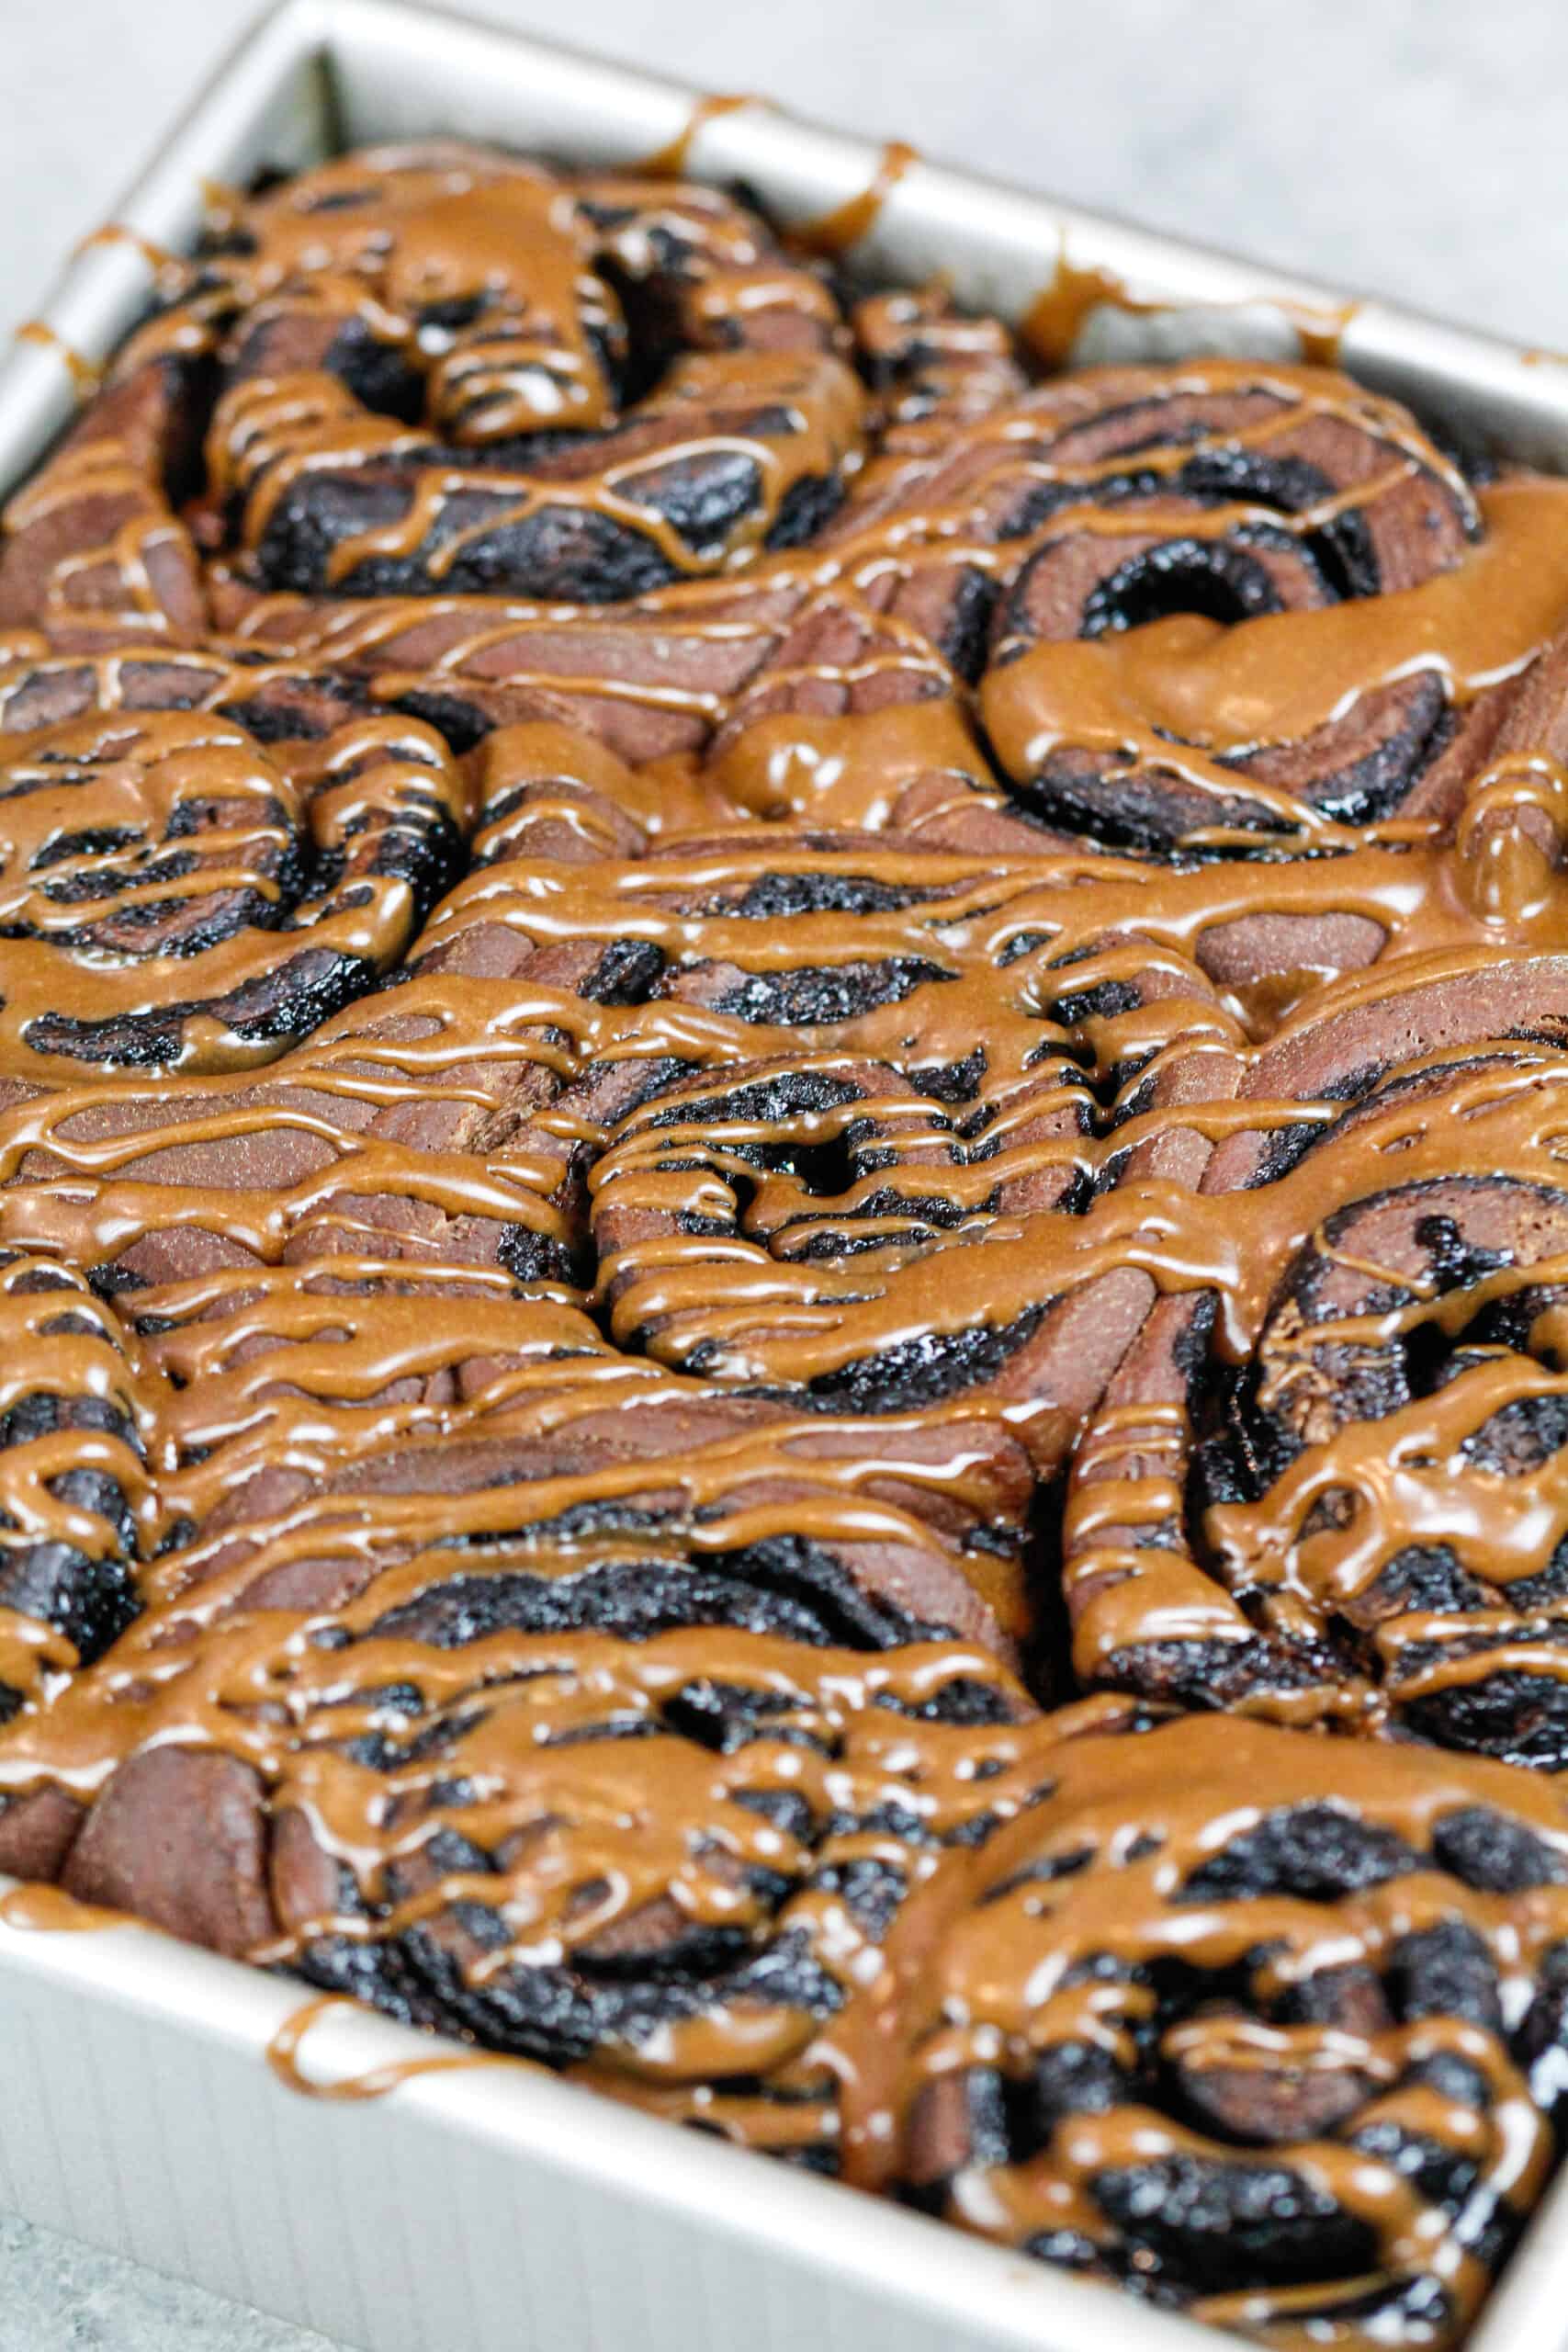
{"points": [[823, 1234], [445, 371], [1318, 1489], [1196, 501], [691, 1819], [92, 544], [1174, 507], [567, 1491], [177, 893], [1234, 2018], [80, 1511]]}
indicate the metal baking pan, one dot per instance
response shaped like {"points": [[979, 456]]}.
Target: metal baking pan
{"points": [[488, 2205]]}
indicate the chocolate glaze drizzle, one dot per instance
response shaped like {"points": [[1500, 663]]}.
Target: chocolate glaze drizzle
{"points": [[783, 1237]]}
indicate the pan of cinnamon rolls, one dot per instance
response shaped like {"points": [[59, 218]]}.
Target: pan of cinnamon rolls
{"points": [[783, 1222]]}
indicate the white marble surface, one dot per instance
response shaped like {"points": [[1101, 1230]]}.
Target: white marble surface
{"points": [[1410, 147]]}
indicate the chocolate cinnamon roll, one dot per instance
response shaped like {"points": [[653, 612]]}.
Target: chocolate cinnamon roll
{"points": [[693, 1819], [448, 371], [1231, 2018], [402, 1130], [1312, 1491], [1170, 505], [823, 1234], [178, 893], [569, 1488]]}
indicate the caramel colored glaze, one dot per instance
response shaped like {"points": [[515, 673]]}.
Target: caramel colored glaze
{"points": [[283, 2055], [85, 374], [670, 160], [45, 1910], [1190, 682], [782, 1249], [1053, 322], [837, 231], [1322, 329], [158, 258]]}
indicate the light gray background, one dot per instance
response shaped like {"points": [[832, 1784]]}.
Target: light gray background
{"points": [[1406, 147]]}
